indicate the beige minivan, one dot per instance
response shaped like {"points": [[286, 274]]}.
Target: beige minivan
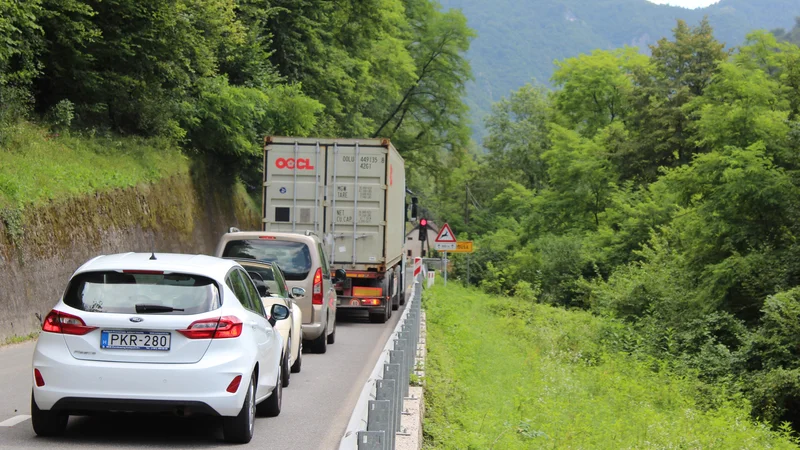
{"points": [[302, 259]]}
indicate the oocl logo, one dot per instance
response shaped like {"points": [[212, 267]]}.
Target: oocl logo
{"points": [[290, 163]]}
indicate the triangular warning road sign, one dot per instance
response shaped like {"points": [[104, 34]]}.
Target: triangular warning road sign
{"points": [[445, 234]]}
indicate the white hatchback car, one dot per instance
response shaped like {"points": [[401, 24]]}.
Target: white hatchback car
{"points": [[159, 333], [270, 282]]}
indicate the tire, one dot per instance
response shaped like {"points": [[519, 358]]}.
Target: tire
{"points": [[285, 372], [332, 336], [298, 363], [395, 296], [271, 407], [239, 429], [47, 423], [320, 344], [379, 317]]}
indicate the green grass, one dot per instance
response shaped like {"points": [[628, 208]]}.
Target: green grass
{"points": [[20, 339], [505, 374], [37, 167]]}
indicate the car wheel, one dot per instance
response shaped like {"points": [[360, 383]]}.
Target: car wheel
{"points": [[285, 374], [47, 423], [298, 363], [271, 407], [332, 336], [239, 429], [320, 344]]}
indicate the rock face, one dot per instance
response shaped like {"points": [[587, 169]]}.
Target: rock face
{"points": [[182, 214]]}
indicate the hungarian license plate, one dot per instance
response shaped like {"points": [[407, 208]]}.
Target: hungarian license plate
{"points": [[135, 340]]}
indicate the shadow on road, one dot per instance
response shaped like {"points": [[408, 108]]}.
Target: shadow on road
{"points": [[123, 430]]}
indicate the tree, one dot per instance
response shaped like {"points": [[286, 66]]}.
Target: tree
{"points": [[679, 71], [518, 136], [430, 114], [595, 90]]}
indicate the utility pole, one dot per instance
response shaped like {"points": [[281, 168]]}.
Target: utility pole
{"points": [[466, 220]]}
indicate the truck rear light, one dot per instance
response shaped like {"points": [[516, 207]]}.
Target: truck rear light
{"points": [[316, 290], [234, 386], [370, 301], [61, 322], [221, 328], [37, 376]]}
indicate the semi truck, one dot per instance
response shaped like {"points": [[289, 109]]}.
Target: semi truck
{"points": [[352, 194]]}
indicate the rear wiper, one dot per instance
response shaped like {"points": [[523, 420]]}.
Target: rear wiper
{"points": [[142, 309]]}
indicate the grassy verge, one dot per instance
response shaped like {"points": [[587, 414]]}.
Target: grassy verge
{"points": [[503, 374], [36, 167], [20, 339]]}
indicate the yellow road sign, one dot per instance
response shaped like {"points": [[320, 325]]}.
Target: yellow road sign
{"points": [[462, 247]]}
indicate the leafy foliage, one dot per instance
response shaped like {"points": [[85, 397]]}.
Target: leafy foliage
{"points": [[662, 192], [216, 76]]}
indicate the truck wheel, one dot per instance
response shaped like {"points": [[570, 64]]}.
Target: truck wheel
{"points": [[378, 317], [395, 296]]}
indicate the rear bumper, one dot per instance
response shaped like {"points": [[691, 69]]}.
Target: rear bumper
{"points": [[89, 406], [354, 304], [77, 386]]}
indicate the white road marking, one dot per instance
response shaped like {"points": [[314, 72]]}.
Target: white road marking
{"points": [[14, 420]]}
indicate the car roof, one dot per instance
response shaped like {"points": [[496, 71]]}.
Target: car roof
{"points": [[299, 236], [169, 262]]}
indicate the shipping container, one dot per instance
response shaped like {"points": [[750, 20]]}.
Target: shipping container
{"points": [[351, 193]]}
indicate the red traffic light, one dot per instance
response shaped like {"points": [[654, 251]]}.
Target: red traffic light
{"points": [[423, 222]]}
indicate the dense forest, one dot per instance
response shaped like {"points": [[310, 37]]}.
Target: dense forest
{"points": [[216, 76], [519, 39], [662, 191]]}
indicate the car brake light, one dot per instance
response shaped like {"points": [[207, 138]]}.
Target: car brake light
{"points": [[316, 290], [270, 238], [61, 322], [37, 376], [234, 386], [221, 328]]}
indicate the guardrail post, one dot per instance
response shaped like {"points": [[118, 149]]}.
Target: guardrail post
{"points": [[405, 337], [387, 390], [399, 357], [378, 419], [371, 440], [392, 372]]}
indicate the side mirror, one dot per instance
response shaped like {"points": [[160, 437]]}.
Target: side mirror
{"points": [[340, 274], [262, 290], [298, 292], [278, 312]]}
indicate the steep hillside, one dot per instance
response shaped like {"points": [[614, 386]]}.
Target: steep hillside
{"points": [[518, 40]]}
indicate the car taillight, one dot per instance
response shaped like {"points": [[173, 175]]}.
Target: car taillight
{"points": [[316, 290], [61, 322], [222, 328]]}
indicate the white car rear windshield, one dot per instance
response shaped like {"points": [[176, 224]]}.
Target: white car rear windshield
{"points": [[293, 257], [142, 292]]}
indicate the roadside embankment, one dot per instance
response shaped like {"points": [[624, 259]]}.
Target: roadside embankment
{"points": [[87, 199], [505, 374]]}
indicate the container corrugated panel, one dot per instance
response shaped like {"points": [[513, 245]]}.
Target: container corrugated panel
{"points": [[294, 190], [351, 191]]}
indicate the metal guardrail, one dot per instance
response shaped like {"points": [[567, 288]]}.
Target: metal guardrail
{"points": [[375, 421]]}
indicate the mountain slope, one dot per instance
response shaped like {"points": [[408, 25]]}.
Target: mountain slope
{"points": [[518, 40]]}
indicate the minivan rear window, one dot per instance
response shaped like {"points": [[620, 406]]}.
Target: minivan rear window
{"points": [[142, 292], [293, 257]]}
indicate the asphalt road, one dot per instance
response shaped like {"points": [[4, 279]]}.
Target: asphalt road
{"points": [[316, 406]]}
